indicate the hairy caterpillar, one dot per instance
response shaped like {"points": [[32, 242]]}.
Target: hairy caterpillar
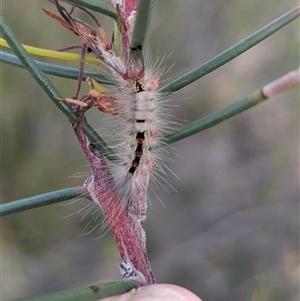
{"points": [[135, 101]]}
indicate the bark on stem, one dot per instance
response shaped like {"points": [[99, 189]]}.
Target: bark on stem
{"points": [[130, 6], [125, 225]]}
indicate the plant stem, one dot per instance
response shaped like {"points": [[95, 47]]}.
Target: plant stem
{"points": [[141, 24], [126, 228], [90, 293], [98, 6], [232, 52], [215, 118], [42, 200], [270, 90], [50, 90], [55, 70]]}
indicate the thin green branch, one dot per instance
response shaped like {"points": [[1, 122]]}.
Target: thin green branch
{"points": [[98, 6], [141, 24], [90, 293], [42, 200], [272, 89], [55, 70], [50, 90], [275, 87], [232, 52], [31, 66], [215, 118]]}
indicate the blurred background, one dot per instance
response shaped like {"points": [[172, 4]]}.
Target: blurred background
{"points": [[231, 230]]}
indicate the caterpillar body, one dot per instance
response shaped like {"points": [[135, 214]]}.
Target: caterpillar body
{"points": [[135, 101], [140, 115]]}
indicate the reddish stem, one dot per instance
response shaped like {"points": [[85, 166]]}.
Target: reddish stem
{"points": [[126, 227], [130, 5], [125, 13]]}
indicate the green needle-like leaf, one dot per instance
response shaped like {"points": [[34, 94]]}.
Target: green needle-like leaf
{"points": [[42, 200], [55, 70], [98, 6], [215, 118], [50, 90], [232, 52], [90, 293], [30, 65], [141, 24]]}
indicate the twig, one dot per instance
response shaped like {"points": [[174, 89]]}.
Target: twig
{"points": [[125, 225]]}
